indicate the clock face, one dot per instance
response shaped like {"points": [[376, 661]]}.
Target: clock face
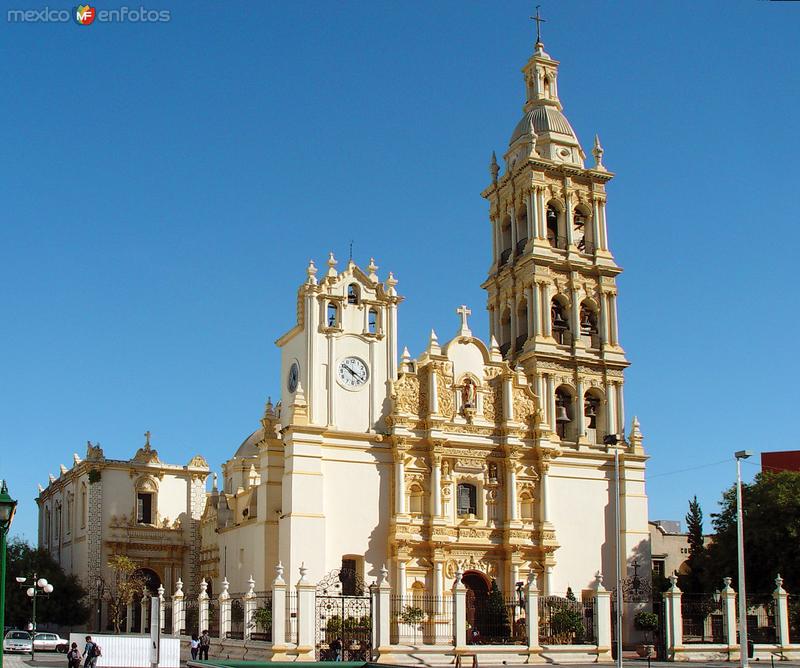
{"points": [[294, 377], [352, 373]]}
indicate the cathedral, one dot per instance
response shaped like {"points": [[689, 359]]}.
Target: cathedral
{"points": [[491, 457]]}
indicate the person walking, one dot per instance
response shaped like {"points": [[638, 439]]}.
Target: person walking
{"points": [[74, 656], [205, 644], [336, 646], [91, 651], [194, 646]]}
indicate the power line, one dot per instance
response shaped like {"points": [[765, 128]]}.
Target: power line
{"points": [[691, 468]]}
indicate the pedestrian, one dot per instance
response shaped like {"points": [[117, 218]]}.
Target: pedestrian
{"points": [[205, 643], [336, 646], [194, 646], [91, 651], [74, 656]]}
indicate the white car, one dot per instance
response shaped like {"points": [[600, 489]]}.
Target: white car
{"points": [[17, 641], [49, 642]]}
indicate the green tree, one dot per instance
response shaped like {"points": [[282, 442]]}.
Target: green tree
{"points": [[771, 506], [498, 612], [66, 606], [124, 583], [695, 581]]}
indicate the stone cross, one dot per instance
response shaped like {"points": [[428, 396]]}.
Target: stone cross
{"points": [[147, 439], [463, 311]]}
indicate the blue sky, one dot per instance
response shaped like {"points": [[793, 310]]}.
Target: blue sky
{"points": [[164, 186]]}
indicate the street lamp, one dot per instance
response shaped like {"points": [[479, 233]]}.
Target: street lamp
{"points": [[743, 645], [613, 440], [38, 587], [7, 509]]}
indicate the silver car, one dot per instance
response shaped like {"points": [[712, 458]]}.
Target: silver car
{"points": [[49, 642], [17, 641]]}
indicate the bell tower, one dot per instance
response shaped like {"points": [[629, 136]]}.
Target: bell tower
{"points": [[551, 288]]}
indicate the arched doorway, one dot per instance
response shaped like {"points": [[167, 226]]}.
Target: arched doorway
{"points": [[477, 585], [151, 582]]}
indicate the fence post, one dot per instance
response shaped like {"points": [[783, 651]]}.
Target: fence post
{"points": [[729, 616], [224, 610], [202, 606], [129, 617], [781, 612], [161, 607], [279, 638], [177, 608], [144, 604], [381, 621], [674, 621], [460, 613], [249, 606], [306, 601], [602, 618], [532, 618]]}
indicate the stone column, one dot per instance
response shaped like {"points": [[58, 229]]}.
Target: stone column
{"points": [[224, 600], [514, 325], [781, 599], [568, 218], [614, 330], [511, 494], [512, 214], [603, 241], [536, 309], [548, 580], [249, 608], [498, 242], [551, 398], [542, 209], [544, 493], [508, 399], [202, 606], [620, 409], [581, 418], [595, 223], [460, 613], [436, 486], [129, 617], [603, 319], [531, 311], [729, 616], [178, 623], [279, 612], [400, 482], [401, 577], [611, 408], [602, 618], [306, 618], [532, 618], [531, 207], [546, 298], [433, 389], [438, 584], [161, 609], [674, 620], [382, 617], [576, 316]]}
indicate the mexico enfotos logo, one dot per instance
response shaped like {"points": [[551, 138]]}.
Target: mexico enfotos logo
{"points": [[85, 15]]}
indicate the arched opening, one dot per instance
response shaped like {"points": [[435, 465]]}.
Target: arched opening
{"points": [[332, 315], [522, 325], [522, 230], [594, 416], [477, 601], [526, 506], [150, 582], [546, 86], [466, 499], [505, 241], [564, 417], [372, 321], [47, 526], [555, 234], [353, 294], [505, 332], [581, 230], [560, 321], [416, 498], [590, 334]]}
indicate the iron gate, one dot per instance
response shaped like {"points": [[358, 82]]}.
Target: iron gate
{"points": [[344, 618]]}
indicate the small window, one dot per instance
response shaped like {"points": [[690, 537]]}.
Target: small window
{"points": [[415, 500], [144, 508], [333, 315], [352, 294], [372, 321], [467, 499], [658, 568]]}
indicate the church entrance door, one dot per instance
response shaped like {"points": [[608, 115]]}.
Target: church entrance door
{"points": [[477, 586], [344, 617]]}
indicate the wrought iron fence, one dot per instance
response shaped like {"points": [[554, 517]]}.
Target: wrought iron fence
{"points": [[191, 617], [291, 617], [761, 618], [421, 618], [794, 619], [213, 618], [260, 621], [166, 617], [236, 631], [703, 620], [564, 621]]}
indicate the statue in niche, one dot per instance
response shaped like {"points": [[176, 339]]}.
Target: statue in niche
{"points": [[446, 468], [468, 394]]}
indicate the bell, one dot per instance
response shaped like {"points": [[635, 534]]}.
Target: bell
{"points": [[589, 410], [562, 415]]}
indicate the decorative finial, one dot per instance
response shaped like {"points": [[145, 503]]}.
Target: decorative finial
{"points": [[433, 344], [598, 581], [539, 20], [311, 272], [225, 587], [391, 282], [494, 350], [464, 312], [350, 259], [147, 440], [251, 587], [214, 482], [405, 360], [303, 571], [269, 409], [597, 152], [279, 574], [77, 460], [372, 268], [161, 591], [384, 578], [727, 583], [494, 169], [179, 588], [779, 583], [331, 273]]}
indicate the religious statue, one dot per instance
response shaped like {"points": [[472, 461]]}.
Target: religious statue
{"points": [[468, 393], [446, 468]]}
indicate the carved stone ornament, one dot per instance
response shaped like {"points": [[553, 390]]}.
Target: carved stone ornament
{"points": [[407, 395], [198, 461]]}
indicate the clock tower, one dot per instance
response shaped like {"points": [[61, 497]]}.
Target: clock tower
{"points": [[342, 352]]}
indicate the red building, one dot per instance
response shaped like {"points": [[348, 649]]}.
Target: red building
{"points": [[788, 460]]}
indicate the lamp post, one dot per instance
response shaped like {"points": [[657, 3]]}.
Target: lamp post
{"points": [[614, 439], [7, 509], [743, 645], [38, 587]]}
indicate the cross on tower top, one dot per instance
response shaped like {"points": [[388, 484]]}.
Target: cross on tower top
{"points": [[147, 439], [463, 311], [539, 20]]}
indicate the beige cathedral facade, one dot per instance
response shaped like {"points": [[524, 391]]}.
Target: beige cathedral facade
{"points": [[485, 457]]}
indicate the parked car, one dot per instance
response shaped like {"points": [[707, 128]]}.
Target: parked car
{"points": [[50, 642], [17, 641]]}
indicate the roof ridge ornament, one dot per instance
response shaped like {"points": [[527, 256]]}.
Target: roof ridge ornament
{"points": [[597, 152]]}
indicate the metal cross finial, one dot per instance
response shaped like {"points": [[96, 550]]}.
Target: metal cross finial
{"points": [[147, 439], [463, 311], [351, 250], [539, 20]]}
